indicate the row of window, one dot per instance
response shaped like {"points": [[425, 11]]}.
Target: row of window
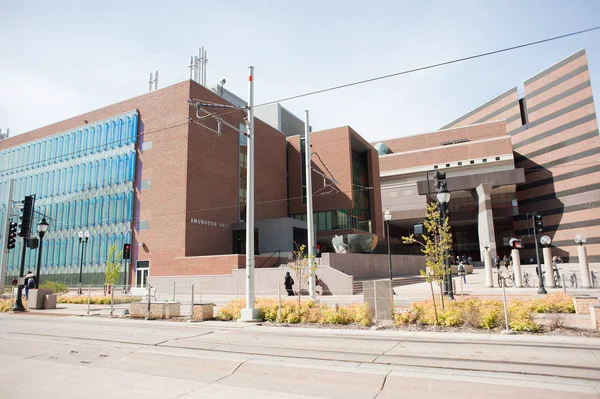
{"points": [[337, 220], [89, 212], [64, 252], [99, 137], [85, 176]]}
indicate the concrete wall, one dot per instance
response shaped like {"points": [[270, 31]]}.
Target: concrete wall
{"points": [[266, 283], [371, 266]]}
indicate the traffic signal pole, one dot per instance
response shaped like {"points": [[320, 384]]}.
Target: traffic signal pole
{"points": [[28, 206], [5, 250], [541, 290]]}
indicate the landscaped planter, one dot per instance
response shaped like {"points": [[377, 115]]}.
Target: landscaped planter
{"points": [[203, 312], [158, 310]]}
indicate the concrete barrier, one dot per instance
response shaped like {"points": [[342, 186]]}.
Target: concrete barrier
{"points": [[203, 311], [595, 315], [37, 298], [582, 303]]}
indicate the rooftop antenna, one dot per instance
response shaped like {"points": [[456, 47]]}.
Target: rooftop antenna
{"points": [[150, 82], [155, 80], [4, 135], [204, 62], [192, 67]]}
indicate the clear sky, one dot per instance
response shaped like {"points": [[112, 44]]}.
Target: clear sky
{"points": [[59, 59]]}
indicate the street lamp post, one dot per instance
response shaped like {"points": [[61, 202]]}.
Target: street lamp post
{"points": [[83, 239], [443, 198], [388, 217], [42, 227]]}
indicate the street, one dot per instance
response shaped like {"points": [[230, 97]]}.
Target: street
{"points": [[54, 356]]}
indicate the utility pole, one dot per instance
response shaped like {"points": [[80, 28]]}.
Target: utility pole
{"points": [[250, 313], [309, 208], [5, 250]]}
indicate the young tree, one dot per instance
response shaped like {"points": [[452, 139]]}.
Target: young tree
{"points": [[437, 240], [302, 268], [113, 266]]}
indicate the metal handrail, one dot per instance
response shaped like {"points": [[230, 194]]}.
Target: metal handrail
{"points": [[270, 256]]}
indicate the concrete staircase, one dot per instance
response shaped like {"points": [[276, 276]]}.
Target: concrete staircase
{"points": [[397, 282]]}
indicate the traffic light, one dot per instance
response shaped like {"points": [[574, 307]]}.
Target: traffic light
{"points": [[12, 235], [538, 223], [26, 214], [126, 251]]}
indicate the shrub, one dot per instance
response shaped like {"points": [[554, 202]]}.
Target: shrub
{"points": [[5, 305], [557, 320], [55, 286], [557, 302], [480, 313], [96, 300], [305, 312]]}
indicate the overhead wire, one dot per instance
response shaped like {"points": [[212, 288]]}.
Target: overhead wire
{"points": [[426, 67]]}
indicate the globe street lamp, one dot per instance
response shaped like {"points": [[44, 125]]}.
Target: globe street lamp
{"points": [[443, 198], [42, 227], [83, 239], [388, 217]]}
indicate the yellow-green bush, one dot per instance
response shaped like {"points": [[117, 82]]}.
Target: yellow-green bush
{"points": [[5, 305], [96, 300], [486, 313], [55, 286], [557, 302], [305, 312]]}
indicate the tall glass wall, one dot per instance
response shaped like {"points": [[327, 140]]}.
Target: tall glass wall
{"points": [[82, 180]]}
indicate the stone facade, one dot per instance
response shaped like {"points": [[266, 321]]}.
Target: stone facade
{"points": [[158, 310], [582, 303], [203, 312], [595, 315]]}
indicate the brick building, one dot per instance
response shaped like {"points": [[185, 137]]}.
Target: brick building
{"points": [[148, 172], [518, 153]]}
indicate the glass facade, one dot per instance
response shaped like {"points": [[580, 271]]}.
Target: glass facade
{"points": [[82, 179], [336, 220]]}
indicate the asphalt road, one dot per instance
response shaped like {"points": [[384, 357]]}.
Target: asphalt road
{"points": [[77, 357]]}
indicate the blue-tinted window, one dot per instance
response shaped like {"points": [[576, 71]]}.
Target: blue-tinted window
{"points": [[92, 212], [85, 213], [129, 212], [105, 210], [131, 167], [99, 206]]}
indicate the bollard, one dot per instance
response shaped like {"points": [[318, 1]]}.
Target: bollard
{"points": [[89, 298], [192, 307], [279, 300], [112, 300], [584, 267], [487, 260], [173, 291], [148, 316], [547, 256], [517, 268], [563, 283]]}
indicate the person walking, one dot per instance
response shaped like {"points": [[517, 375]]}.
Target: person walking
{"points": [[497, 262], [462, 271], [29, 283], [288, 283]]}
